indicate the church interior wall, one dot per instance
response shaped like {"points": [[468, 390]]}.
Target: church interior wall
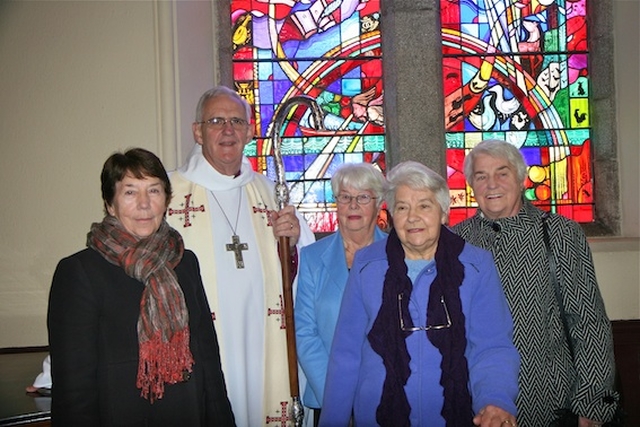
{"points": [[80, 80]]}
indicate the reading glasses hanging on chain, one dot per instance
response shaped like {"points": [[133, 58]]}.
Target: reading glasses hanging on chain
{"points": [[411, 328]]}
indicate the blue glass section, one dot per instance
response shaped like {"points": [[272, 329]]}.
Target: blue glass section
{"points": [[351, 87], [265, 69], [266, 92]]}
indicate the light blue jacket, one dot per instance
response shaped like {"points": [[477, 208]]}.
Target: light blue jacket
{"points": [[322, 278], [356, 372]]}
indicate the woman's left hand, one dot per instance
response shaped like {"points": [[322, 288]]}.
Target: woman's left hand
{"points": [[286, 224], [492, 416]]}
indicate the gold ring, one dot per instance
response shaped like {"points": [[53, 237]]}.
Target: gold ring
{"points": [[509, 422]]}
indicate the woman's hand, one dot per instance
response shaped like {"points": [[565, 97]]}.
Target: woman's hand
{"points": [[492, 416]]}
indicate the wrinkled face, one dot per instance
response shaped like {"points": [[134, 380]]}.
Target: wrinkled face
{"points": [[354, 217], [139, 204], [496, 187], [417, 218], [223, 146]]}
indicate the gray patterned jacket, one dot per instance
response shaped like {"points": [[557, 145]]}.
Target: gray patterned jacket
{"points": [[549, 378]]}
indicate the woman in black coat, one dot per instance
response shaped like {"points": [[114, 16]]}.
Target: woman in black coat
{"points": [[131, 337]]}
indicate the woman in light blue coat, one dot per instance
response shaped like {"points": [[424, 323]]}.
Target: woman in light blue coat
{"points": [[324, 268]]}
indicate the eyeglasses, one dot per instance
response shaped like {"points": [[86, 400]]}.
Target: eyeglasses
{"points": [[220, 122], [423, 328], [362, 199]]}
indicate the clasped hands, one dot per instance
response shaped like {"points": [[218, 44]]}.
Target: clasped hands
{"points": [[492, 416]]}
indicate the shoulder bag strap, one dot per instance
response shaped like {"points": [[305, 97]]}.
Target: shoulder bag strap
{"points": [[554, 279]]}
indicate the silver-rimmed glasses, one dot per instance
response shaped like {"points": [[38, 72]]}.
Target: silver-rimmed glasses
{"points": [[220, 122], [362, 199], [423, 328]]}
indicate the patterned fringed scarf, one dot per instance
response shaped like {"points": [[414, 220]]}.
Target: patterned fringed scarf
{"points": [[163, 325], [388, 340]]}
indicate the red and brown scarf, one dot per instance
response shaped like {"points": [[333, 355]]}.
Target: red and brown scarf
{"points": [[163, 324]]}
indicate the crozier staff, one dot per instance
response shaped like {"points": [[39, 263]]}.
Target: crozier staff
{"points": [[130, 331]]}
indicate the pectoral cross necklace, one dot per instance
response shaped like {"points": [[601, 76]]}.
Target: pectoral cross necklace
{"points": [[235, 246]]}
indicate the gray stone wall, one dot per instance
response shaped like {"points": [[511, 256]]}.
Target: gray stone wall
{"points": [[603, 120], [413, 92]]}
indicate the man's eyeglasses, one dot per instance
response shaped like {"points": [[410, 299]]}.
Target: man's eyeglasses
{"points": [[423, 328], [220, 122], [362, 199]]}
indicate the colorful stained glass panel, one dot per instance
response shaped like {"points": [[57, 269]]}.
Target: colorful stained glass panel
{"points": [[518, 71], [328, 50]]}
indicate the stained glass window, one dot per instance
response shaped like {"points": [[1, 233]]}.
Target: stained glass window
{"points": [[330, 51], [518, 70]]}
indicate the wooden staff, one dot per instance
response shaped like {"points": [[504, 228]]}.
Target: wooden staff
{"points": [[282, 197]]}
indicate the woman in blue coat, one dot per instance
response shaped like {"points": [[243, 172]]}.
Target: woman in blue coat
{"points": [[424, 334], [324, 268]]}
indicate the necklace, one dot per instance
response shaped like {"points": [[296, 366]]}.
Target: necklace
{"points": [[353, 248], [235, 246], [350, 251]]}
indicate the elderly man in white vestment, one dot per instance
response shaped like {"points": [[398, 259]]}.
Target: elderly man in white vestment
{"points": [[227, 214]]}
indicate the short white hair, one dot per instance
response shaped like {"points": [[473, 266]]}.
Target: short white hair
{"points": [[220, 91], [419, 177], [496, 148], [361, 176]]}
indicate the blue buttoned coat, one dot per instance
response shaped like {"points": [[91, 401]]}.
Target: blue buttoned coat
{"points": [[322, 278], [356, 373]]}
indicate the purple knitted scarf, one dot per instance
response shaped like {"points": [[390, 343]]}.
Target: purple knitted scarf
{"points": [[388, 340]]}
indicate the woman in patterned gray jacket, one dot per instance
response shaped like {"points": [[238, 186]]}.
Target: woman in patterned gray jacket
{"points": [[512, 229]]}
